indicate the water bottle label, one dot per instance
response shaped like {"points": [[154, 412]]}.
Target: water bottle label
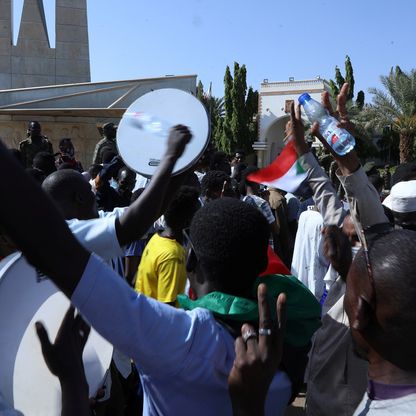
{"points": [[331, 134]]}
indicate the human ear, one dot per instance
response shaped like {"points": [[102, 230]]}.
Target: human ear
{"points": [[362, 314]]}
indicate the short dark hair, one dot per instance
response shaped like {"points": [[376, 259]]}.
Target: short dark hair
{"points": [[44, 161], [182, 208], [244, 182], [213, 181], [230, 239]]}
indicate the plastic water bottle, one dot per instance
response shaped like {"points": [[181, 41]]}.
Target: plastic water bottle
{"points": [[339, 139], [149, 123]]}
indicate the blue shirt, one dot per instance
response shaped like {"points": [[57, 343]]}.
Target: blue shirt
{"points": [[184, 358]]}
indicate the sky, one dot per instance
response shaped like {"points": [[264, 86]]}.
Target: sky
{"points": [[275, 39]]}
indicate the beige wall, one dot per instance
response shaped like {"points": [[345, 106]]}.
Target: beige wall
{"points": [[83, 132]]}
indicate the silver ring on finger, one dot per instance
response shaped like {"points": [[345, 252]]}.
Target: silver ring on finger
{"points": [[249, 334], [265, 331]]}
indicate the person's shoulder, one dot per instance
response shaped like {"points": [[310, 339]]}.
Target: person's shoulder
{"points": [[24, 143], [101, 142]]}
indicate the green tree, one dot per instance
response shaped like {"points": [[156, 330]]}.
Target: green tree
{"points": [[334, 88], [338, 77], [252, 107], [200, 91], [239, 121], [226, 134], [215, 110], [396, 107], [336, 85]]}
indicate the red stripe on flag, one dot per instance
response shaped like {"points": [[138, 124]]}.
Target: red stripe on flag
{"points": [[278, 167]]}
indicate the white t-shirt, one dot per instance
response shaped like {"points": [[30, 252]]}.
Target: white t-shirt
{"points": [[98, 235], [402, 406]]}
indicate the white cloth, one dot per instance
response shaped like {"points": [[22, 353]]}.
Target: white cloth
{"points": [[309, 264], [402, 197], [184, 358], [98, 235], [403, 406]]}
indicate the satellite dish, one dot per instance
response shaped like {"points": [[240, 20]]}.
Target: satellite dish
{"points": [[26, 383], [142, 134]]}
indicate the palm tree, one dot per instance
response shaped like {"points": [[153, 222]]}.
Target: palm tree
{"points": [[396, 108]]}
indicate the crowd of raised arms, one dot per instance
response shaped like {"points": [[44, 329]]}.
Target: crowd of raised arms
{"points": [[223, 296]]}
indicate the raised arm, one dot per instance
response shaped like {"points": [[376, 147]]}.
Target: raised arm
{"points": [[146, 209], [324, 194], [363, 198], [102, 297]]}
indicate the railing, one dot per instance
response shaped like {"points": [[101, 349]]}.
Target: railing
{"points": [[285, 84]]}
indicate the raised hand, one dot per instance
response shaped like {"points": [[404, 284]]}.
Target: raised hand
{"points": [[64, 356], [296, 130], [348, 163], [179, 137], [257, 358]]}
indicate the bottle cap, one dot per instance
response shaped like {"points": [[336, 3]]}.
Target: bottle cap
{"points": [[304, 97]]}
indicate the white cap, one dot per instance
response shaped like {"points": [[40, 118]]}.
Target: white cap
{"points": [[402, 197]]}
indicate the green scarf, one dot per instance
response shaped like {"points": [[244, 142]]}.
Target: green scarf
{"points": [[303, 311]]}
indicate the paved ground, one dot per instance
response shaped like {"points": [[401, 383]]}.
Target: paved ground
{"points": [[297, 407]]}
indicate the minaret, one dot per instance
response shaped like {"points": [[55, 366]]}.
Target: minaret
{"points": [[33, 61], [5, 44], [72, 46]]}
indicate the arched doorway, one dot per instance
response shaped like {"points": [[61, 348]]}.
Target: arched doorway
{"points": [[275, 134]]}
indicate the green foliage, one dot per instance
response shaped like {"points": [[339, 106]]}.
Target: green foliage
{"points": [[252, 107], [395, 106], [334, 88], [238, 125], [336, 85], [360, 99], [338, 77], [349, 77], [215, 110], [363, 134], [200, 91]]}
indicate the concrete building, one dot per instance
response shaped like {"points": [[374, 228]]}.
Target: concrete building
{"points": [[76, 110], [32, 62], [275, 99]]}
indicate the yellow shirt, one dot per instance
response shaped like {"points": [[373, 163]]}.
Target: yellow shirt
{"points": [[162, 271]]}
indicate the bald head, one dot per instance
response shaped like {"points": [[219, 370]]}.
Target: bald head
{"points": [[72, 193], [383, 316]]}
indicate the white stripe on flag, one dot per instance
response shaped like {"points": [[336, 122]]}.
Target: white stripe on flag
{"points": [[290, 181]]}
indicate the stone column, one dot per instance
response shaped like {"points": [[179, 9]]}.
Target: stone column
{"points": [[33, 61], [72, 47], [5, 44]]}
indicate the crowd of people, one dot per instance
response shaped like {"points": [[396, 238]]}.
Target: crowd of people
{"points": [[220, 295]]}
